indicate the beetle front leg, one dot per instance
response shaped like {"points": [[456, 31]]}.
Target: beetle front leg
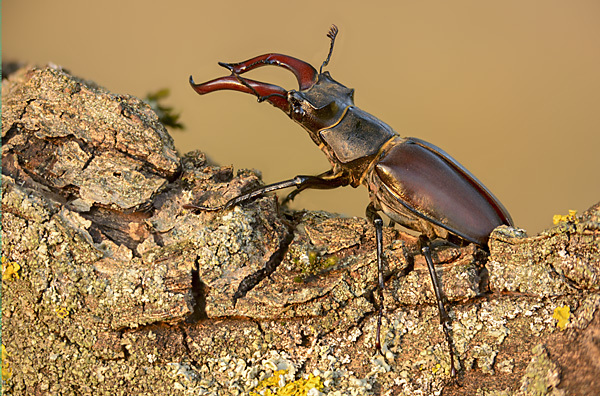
{"points": [[378, 224], [301, 182], [444, 317], [324, 181]]}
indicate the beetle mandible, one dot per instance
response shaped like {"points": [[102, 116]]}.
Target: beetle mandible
{"points": [[413, 182]]}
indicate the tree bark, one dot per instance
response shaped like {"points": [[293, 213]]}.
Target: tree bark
{"points": [[110, 286]]}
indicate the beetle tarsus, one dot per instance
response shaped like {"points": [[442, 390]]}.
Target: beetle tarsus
{"points": [[203, 208]]}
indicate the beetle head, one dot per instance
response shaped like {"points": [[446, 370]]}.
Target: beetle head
{"points": [[321, 105], [318, 103]]}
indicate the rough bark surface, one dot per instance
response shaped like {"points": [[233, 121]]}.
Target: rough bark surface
{"points": [[111, 287]]}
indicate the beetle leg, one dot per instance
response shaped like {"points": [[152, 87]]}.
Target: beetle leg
{"points": [[378, 223], [444, 317], [328, 181], [301, 182]]}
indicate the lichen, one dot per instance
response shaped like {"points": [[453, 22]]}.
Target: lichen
{"points": [[562, 314]]}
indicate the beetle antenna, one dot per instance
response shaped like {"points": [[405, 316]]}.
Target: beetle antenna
{"points": [[333, 31]]}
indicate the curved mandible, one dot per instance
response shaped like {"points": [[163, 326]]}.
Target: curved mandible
{"points": [[304, 72], [274, 94]]}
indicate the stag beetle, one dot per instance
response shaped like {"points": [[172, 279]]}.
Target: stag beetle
{"points": [[413, 182]]}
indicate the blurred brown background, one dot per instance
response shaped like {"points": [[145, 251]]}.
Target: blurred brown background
{"points": [[511, 89]]}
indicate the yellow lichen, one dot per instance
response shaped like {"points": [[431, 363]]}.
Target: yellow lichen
{"points": [[10, 269], [62, 312], [562, 314], [571, 217], [330, 262], [272, 381], [6, 369], [300, 387]]}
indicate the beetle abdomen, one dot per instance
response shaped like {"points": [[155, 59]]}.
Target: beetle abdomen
{"points": [[415, 181]]}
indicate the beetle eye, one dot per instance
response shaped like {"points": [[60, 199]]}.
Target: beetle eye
{"points": [[299, 112]]}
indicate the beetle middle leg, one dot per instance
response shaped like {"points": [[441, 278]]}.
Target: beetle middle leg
{"points": [[444, 317], [425, 250], [377, 221]]}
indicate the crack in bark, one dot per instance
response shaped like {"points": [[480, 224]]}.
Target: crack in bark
{"points": [[276, 258], [199, 291]]}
